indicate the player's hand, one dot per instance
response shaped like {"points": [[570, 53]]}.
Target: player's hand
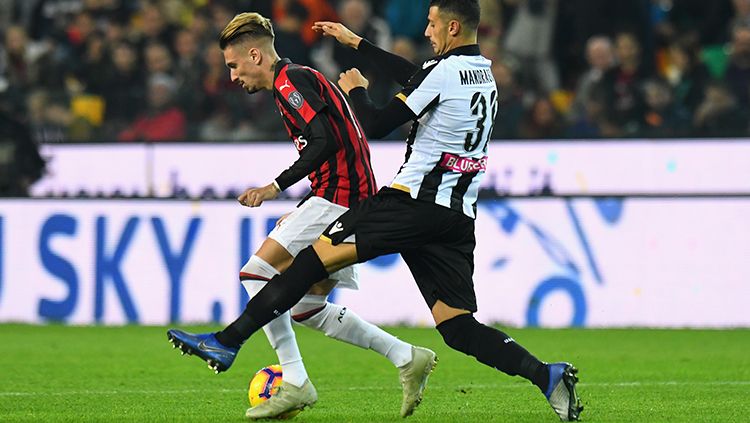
{"points": [[281, 219], [254, 197], [338, 31], [352, 79]]}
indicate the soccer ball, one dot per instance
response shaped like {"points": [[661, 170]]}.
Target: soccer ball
{"points": [[265, 384]]}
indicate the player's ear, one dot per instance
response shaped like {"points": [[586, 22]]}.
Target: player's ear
{"points": [[256, 56], [454, 27]]}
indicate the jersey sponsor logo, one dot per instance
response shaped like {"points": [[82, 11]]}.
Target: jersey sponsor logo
{"points": [[295, 99], [286, 85], [300, 142], [337, 227], [459, 164], [429, 63]]}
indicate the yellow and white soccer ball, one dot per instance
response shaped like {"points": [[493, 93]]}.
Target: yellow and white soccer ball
{"points": [[265, 384]]}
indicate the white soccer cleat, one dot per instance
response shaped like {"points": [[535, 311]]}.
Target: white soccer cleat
{"points": [[289, 399], [414, 376]]}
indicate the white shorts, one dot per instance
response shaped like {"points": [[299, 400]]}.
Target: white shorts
{"points": [[303, 227]]}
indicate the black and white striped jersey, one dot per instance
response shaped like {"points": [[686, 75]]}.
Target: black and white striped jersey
{"points": [[454, 97]]}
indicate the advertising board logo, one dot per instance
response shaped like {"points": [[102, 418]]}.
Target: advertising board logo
{"points": [[569, 280]]}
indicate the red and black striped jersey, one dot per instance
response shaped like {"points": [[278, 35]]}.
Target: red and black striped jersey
{"points": [[333, 149]]}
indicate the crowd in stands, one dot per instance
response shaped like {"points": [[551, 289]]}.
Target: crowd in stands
{"points": [[151, 70]]}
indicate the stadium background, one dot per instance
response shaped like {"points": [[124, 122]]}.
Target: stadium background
{"points": [[615, 196], [612, 228]]}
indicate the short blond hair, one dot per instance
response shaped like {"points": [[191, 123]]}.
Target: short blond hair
{"points": [[247, 25]]}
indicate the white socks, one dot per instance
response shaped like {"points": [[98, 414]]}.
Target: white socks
{"points": [[334, 320], [340, 323], [279, 330]]}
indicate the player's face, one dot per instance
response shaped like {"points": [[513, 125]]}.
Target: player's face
{"points": [[437, 31], [243, 70]]}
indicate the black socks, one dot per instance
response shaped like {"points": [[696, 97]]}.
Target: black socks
{"points": [[279, 295], [493, 348]]}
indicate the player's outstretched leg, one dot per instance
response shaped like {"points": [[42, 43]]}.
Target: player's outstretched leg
{"points": [[498, 350], [289, 398], [561, 392], [414, 363], [218, 356]]}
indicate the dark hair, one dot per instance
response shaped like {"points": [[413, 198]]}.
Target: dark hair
{"points": [[466, 10]]}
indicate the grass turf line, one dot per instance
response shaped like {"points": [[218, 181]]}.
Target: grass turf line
{"points": [[90, 374]]}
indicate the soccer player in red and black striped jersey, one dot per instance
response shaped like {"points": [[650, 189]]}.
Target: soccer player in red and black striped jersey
{"points": [[333, 148], [334, 155]]}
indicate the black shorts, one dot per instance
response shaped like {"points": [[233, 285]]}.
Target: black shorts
{"points": [[437, 243]]}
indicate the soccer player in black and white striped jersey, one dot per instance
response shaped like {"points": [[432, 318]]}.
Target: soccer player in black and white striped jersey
{"points": [[427, 213]]}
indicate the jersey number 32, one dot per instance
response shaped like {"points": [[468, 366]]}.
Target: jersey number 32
{"points": [[485, 110]]}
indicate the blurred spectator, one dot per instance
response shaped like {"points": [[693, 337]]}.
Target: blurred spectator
{"points": [[91, 70], [335, 57], [529, 39], [709, 18], [154, 28], [741, 13], [163, 120], [158, 59], [288, 34], [188, 70], [400, 17], [200, 27], [490, 27], [663, 118], [124, 94], [687, 74], [317, 10], [18, 59], [579, 20], [719, 114], [79, 32], [622, 85], [20, 162], [542, 121], [510, 102], [601, 58], [51, 120], [593, 121], [738, 70]]}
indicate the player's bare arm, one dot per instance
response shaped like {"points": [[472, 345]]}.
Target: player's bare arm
{"points": [[351, 79], [338, 31], [254, 197]]}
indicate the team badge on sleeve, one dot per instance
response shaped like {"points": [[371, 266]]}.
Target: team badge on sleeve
{"points": [[295, 99]]}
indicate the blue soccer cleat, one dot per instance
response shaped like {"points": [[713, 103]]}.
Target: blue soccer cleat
{"points": [[561, 392], [205, 346]]}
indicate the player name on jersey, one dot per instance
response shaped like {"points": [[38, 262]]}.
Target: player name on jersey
{"points": [[476, 76]]}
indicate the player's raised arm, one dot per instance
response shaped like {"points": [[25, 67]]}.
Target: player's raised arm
{"points": [[377, 123], [395, 66]]}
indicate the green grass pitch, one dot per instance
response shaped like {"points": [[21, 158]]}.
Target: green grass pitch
{"points": [[107, 374]]}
